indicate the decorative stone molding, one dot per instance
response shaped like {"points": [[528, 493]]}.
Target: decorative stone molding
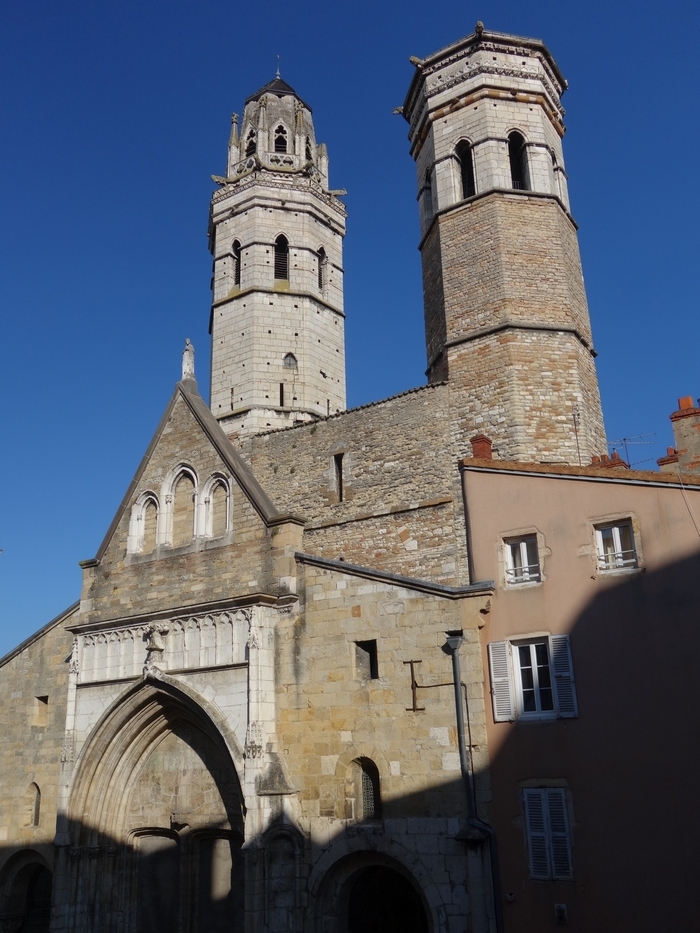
{"points": [[210, 640]]}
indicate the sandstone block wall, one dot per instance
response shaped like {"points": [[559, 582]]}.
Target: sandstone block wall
{"points": [[501, 275], [401, 508], [330, 714], [33, 732], [521, 389]]}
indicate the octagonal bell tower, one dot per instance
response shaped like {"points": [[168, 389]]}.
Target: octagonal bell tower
{"points": [[506, 315], [276, 234]]}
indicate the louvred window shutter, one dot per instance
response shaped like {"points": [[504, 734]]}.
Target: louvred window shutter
{"points": [[564, 676], [501, 682], [536, 832], [559, 834]]}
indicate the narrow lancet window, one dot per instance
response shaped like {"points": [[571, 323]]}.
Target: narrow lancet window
{"points": [[236, 251], [321, 259], [338, 469], [428, 195], [308, 153], [281, 257], [290, 361], [466, 167], [280, 139], [517, 155]]}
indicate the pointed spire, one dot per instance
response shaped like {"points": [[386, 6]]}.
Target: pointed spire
{"points": [[233, 139], [188, 360], [277, 74]]}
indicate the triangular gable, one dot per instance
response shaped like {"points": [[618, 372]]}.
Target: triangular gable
{"points": [[256, 495]]}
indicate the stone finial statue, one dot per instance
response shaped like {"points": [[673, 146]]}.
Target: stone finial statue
{"points": [[188, 360]]}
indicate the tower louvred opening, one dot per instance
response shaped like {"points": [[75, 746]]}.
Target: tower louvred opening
{"points": [[251, 144], [517, 154], [281, 257], [280, 139]]}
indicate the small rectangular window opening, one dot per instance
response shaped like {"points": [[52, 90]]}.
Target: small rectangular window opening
{"points": [[338, 464], [366, 665], [281, 395], [522, 560], [41, 711], [615, 546]]}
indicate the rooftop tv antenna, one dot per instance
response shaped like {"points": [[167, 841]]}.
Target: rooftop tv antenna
{"points": [[627, 442]]}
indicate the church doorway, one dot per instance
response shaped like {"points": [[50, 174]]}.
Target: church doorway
{"points": [[26, 904], [383, 901]]}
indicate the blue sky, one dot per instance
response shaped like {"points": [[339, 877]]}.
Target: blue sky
{"points": [[114, 116]]}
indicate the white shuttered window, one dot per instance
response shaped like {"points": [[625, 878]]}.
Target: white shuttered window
{"points": [[548, 837], [532, 679]]}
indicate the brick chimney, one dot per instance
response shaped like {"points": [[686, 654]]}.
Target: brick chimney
{"points": [[684, 457], [482, 447], [613, 462]]}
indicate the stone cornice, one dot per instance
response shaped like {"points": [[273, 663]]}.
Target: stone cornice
{"points": [[482, 41], [220, 605]]}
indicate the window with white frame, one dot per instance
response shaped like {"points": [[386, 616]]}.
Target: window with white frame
{"points": [[522, 559], [615, 545], [548, 835], [532, 678]]}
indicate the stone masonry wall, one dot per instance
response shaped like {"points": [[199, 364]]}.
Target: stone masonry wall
{"points": [[32, 739], [511, 257], [329, 713], [520, 388], [401, 508]]}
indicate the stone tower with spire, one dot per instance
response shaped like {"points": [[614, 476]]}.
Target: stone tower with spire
{"points": [[276, 235], [505, 305]]}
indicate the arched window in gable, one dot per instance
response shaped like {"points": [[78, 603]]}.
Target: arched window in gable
{"points": [[150, 525], [219, 510], [322, 260], [517, 155], [216, 499], [281, 257], [184, 508], [251, 144], [362, 792], [32, 805], [143, 524], [280, 139], [236, 252], [465, 156]]}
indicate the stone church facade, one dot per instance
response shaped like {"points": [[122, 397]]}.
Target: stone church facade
{"points": [[249, 720]]}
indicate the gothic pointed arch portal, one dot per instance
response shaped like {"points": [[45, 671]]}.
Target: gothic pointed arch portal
{"points": [[156, 821]]}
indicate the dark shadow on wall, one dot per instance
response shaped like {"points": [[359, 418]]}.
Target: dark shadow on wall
{"points": [[173, 879], [630, 762]]}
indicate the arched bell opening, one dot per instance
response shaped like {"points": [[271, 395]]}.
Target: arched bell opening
{"points": [[156, 819]]}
